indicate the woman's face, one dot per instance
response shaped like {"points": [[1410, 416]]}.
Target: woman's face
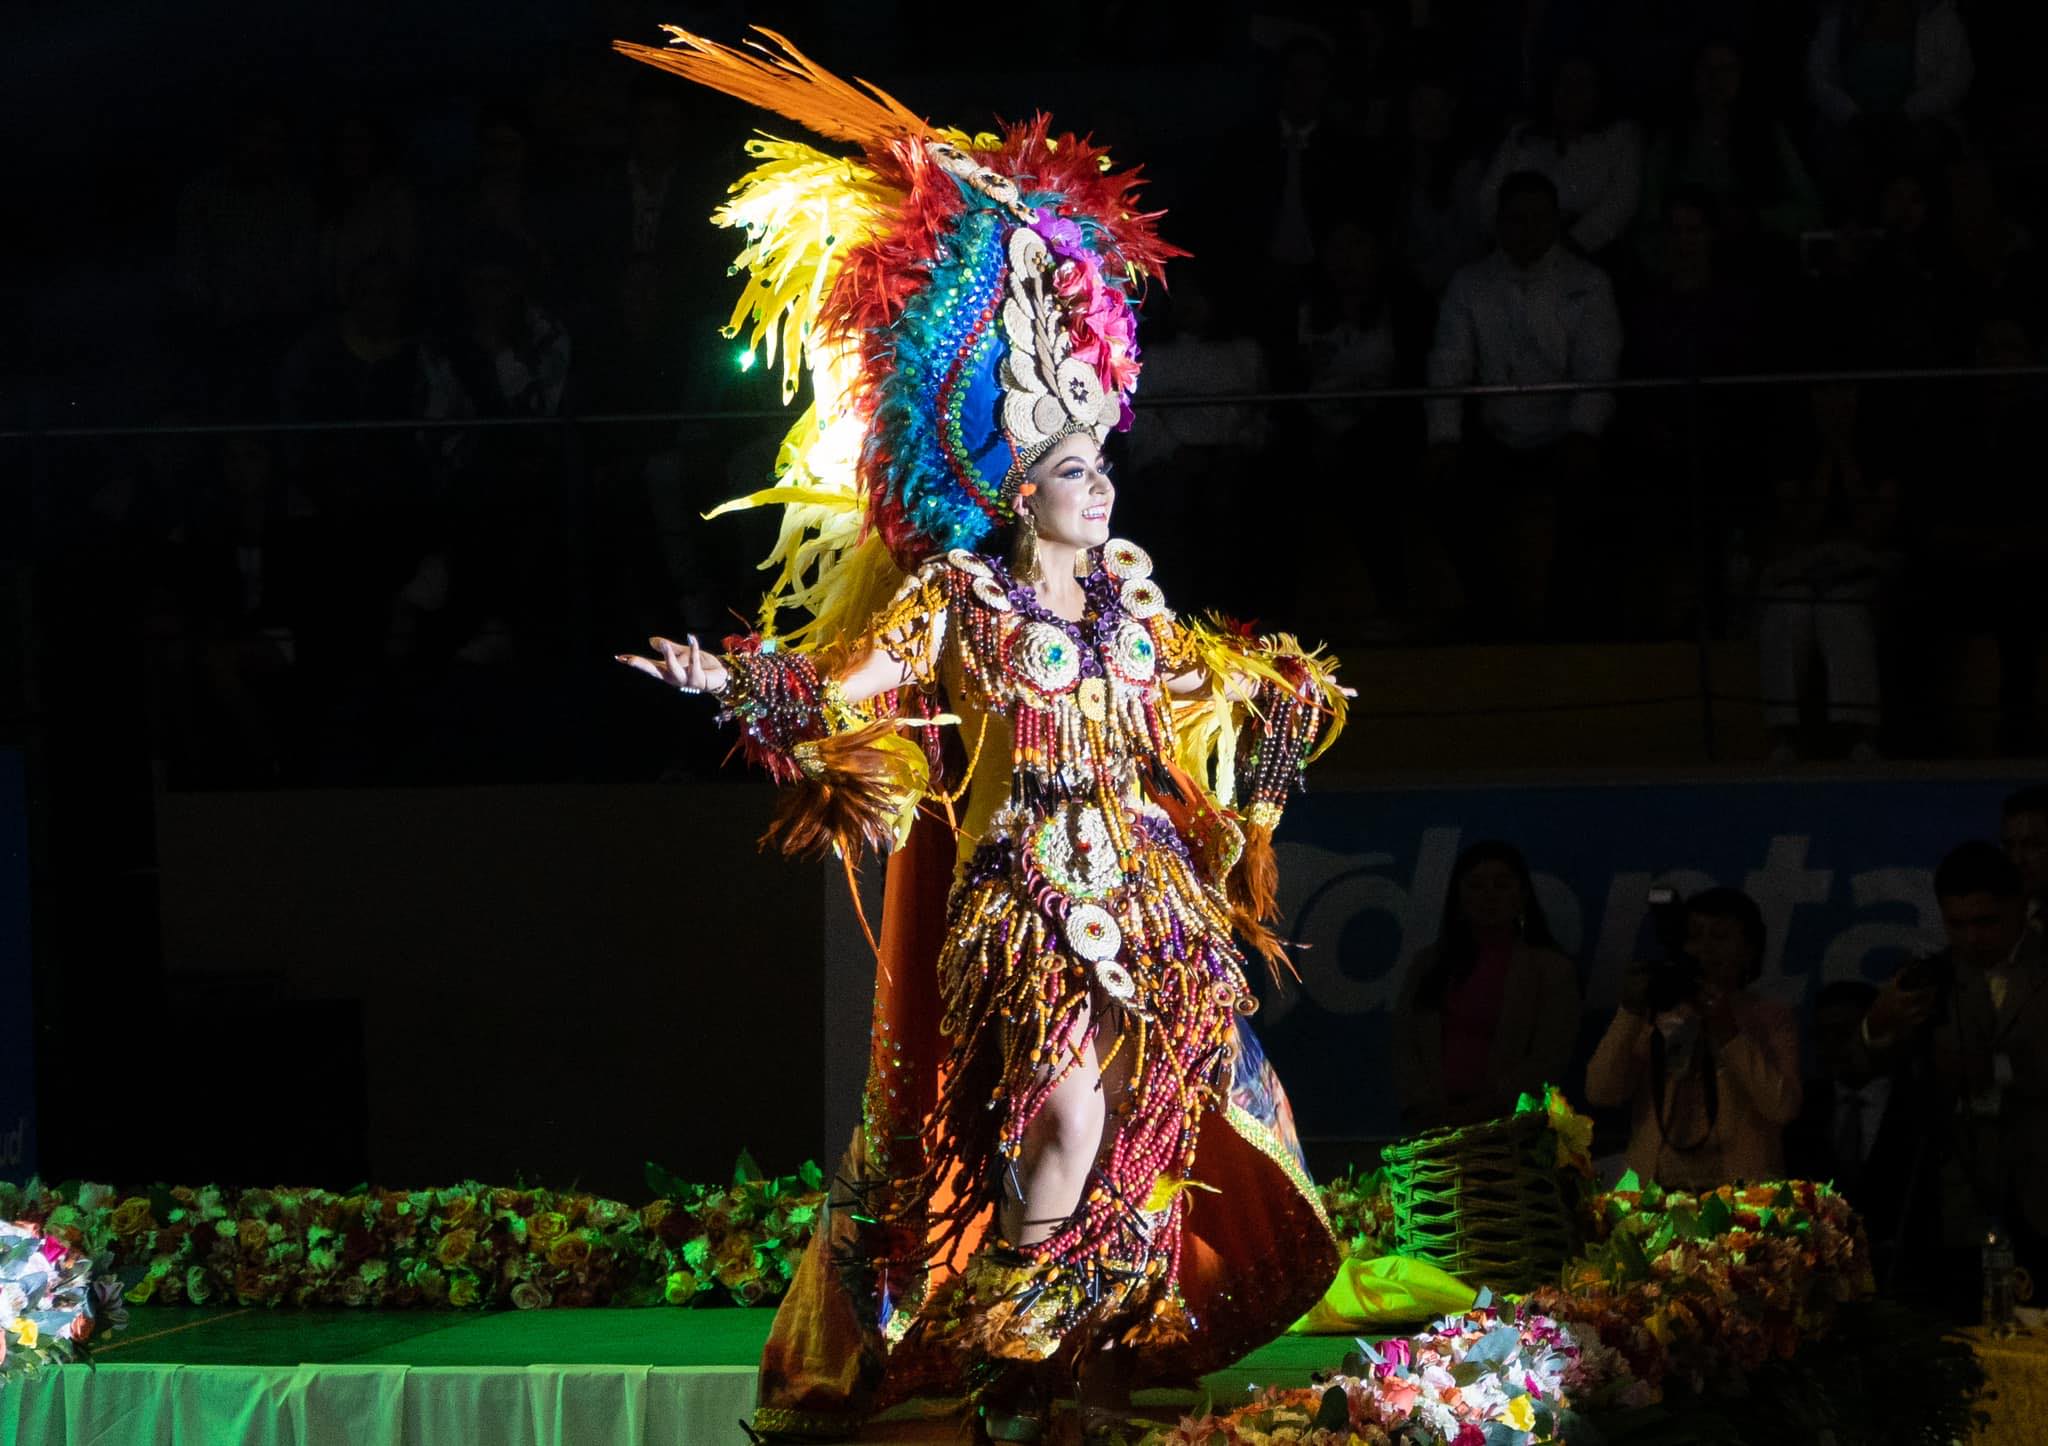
{"points": [[1722, 949], [1491, 897], [1074, 493]]}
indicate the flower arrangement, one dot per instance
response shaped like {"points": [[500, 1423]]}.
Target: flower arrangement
{"points": [[1361, 1213], [1494, 1376], [467, 1246], [1701, 1290], [53, 1298]]}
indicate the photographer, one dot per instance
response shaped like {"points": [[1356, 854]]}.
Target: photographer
{"points": [[1709, 1070], [1971, 1024]]}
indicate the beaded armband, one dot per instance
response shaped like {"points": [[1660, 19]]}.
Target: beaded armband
{"points": [[1277, 741], [777, 701]]}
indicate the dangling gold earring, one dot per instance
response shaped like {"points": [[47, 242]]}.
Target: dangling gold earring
{"points": [[1024, 539]]}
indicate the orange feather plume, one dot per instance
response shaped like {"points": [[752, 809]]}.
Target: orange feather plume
{"points": [[786, 81]]}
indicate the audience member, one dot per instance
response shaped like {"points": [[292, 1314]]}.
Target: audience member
{"points": [[1709, 1071], [1973, 1020], [1728, 144], [227, 653], [1828, 555], [1593, 158], [1358, 336], [628, 362], [1692, 319], [2023, 834], [1529, 474], [247, 261], [363, 489], [1293, 172], [1982, 537], [1489, 1011], [1191, 462], [505, 355], [501, 199], [1865, 1127], [1433, 177], [1879, 73], [648, 204], [367, 208]]}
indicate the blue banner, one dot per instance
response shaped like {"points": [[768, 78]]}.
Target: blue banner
{"points": [[1843, 872], [17, 1009]]}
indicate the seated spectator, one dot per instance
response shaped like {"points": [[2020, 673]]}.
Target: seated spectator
{"points": [[1692, 318], [1981, 539], [1973, 1021], [362, 489], [505, 355], [1828, 556], [1593, 158], [1356, 336], [246, 261], [1863, 1127], [1489, 1011], [2023, 834], [1299, 161], [1194, 460], [1529, 473], [501, 198], [1727, 144], [367, 209], [228, 648], [1434, 174], [1879, 73], [1708, 1070]]}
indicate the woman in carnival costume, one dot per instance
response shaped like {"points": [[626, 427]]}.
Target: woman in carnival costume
{"points": [[1075, 1169]]}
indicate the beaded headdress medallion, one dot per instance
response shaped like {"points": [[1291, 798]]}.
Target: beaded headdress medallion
{"points": [[960, 303]]}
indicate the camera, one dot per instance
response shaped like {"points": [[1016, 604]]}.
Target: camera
{"points": [[1932, 971], [1675, 979]]}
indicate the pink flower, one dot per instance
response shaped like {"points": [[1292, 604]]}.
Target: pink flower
{"points": [[1395, 1354], [1400, 1395]]}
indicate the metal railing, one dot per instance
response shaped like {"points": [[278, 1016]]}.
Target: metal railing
{"points": [[42, 452]]}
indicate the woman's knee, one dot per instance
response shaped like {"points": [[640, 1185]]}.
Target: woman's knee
{"points": [[1070, 1121]]}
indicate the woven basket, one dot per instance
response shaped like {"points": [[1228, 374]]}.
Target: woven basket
{"points": [[1485, 1202]]}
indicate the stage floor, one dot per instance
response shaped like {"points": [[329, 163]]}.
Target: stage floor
{"points": [[256, 1377]]}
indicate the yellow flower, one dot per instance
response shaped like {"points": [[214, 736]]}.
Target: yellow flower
{"points": [[252, 1236], [1520, 1414], [26, 1329], [546, 1228], [131, 1216], [455, 1247], [568, 1252], [462, 1290]]}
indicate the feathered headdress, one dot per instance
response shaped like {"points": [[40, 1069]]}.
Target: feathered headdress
{"points": [[959, 302]]}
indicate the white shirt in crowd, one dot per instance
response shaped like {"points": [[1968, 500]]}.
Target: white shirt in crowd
{"points": [[1943, 66], [1599, 178], [1502, 325]]}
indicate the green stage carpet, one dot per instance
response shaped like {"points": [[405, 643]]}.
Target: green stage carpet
{"points": [[662, 1337], [664, 1377]]}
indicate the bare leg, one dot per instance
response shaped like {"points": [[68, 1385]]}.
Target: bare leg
{"points": [[1060, 1146]]}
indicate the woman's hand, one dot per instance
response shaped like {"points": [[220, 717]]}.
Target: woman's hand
{"points": [[689, 669]]}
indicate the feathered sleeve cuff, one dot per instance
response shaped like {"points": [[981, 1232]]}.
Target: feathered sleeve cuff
{"points": [[854, 780], [1269, 709]]}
